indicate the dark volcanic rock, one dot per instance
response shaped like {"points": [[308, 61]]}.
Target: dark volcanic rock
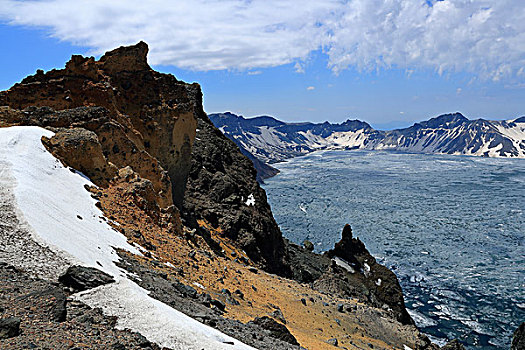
{"points": [[276, 329], [371, 282], [175, 294], [31, 300], [306, 266], [82, 278], [518, 339], [9, 327], [52, 302], [222, 189]]}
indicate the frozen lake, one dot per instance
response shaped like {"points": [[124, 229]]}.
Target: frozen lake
{"points": [[451, 227]]}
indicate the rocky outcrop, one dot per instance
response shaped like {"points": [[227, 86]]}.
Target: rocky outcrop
{"points": [[222, 190], [355, 273], [350, 271], [149, 120], [80, 278], [80, 149]]}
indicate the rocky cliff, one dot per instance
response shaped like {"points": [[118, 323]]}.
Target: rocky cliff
{"points": [[222, 190], [195, 231], [148, 120]]}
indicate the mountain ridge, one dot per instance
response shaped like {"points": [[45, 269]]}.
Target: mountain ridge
{"points": [[271, 140]]}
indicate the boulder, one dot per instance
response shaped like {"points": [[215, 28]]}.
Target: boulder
{"points": [[80, 149], [81, 278], [276, 329], [9, 327]]}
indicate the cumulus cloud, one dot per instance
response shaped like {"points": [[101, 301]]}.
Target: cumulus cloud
{"points": [[484, 37], [310, 88]]}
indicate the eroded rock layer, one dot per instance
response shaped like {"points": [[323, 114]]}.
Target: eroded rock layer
{"points": [[149, 120]]}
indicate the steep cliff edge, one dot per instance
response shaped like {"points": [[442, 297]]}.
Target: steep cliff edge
{"points": [[150, 120], [222, 189], [144, 140]]}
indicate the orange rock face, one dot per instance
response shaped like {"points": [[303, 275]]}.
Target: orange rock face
{"points": [[151, 117]]}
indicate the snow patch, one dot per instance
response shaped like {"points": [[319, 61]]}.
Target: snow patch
{"points": [[343, 264], [366, 270], [52, 200], [250, 201], [158, 322], [61, 213]]}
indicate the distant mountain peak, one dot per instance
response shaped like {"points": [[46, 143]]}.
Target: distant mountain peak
{"points": [[450, 133], [444, 120]]}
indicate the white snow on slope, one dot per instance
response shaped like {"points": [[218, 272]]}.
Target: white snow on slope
{"points": [[155, 320], [53, 201], [271, 145], [251, 200]]}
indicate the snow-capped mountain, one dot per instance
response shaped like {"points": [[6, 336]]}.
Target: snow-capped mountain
{"points": [[271, 140]]}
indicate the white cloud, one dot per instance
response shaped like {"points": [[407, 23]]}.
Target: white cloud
{"points": [[484, 37], [310, 88], [255, 72], [459, 91]]}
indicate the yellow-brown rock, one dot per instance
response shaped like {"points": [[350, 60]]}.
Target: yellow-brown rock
{"points": [[79, 148], [152, 116]]}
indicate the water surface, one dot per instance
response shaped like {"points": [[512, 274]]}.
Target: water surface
{"points": [[451, 227]]}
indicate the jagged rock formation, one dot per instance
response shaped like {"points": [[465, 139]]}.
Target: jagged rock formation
{"points": [[350, 271], [366, 277], [149, 119], [222, 189], [271, 140]]}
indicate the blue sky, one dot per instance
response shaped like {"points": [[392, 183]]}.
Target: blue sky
{"points": [[386, 62]]}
